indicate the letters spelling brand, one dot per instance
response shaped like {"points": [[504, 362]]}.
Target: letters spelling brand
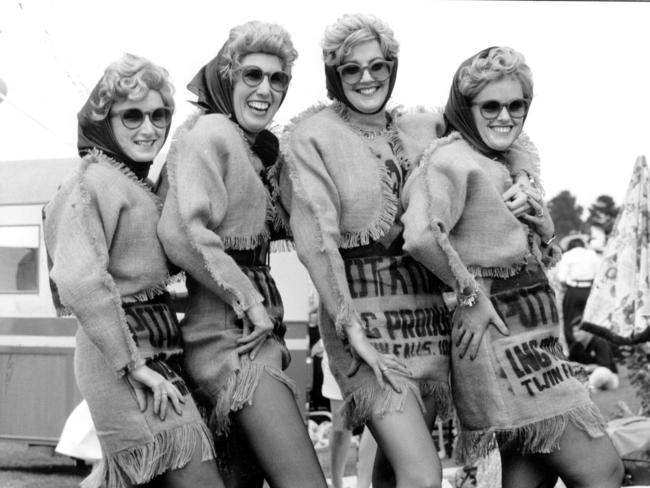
{"points": [[535, 359]]}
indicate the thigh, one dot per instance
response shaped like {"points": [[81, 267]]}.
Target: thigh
{"points": [[586, 462], [404, 440], [518, 471], [278, 437], [196, 473]]}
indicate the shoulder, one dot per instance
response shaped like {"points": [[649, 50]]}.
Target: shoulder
{"points": [[448, 149], [319, 121], [199, 126], [420, 122]]}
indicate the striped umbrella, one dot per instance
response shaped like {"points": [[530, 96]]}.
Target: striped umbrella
{"points": [[618, 307]]}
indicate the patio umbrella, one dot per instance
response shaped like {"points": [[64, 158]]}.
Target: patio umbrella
{"points": [[618, 307]]}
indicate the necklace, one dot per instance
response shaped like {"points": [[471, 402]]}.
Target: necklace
{"points": [[369, 134]]}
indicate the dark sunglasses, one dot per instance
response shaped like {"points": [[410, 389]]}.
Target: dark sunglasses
{"points": [[490, 109], [254, 75], [351, 73], [132, 118]]}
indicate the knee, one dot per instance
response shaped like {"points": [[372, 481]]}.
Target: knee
{"points": [[420, 480]]}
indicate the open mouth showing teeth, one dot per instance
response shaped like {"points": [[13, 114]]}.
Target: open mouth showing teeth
{"points": [[368, 90], [259, 106], [502, 130], [145, 143]]}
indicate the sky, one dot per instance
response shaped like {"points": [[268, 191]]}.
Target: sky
{"points": [[590, 64]]}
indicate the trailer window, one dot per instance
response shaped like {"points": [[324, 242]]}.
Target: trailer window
{"points": [[19, 255]]}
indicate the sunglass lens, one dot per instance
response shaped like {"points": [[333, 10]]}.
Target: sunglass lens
{"points": [[380, 70], [350, 73], [518, 108], [252, 76], [279, 80], [161, 117], [490, 109], [132, 118]]}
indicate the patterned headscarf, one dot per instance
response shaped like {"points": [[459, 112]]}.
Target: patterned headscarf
{"points": [[94, 134]]}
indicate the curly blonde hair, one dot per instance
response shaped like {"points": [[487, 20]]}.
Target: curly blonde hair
{"points": [[257, 37], [353, 29], [499, 63], [130, 78]]}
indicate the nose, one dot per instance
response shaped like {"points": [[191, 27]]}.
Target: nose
{"points": [[264, 88], [147, 126], [365, 76], [504, 114]]}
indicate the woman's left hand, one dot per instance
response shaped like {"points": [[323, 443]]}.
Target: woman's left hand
{"points": [[516, 197], [253, 340], [540, 219]]}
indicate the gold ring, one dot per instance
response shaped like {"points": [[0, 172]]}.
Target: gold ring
{"points": [[383, 368], [540, 213]]}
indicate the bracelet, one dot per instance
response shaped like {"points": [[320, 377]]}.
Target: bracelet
{"points": [[549, 242], [469, 296]]}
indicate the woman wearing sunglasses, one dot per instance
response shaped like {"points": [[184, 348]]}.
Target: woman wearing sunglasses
{"points": [[219, 216], [511, 382], [384, 323], [109, 270]]}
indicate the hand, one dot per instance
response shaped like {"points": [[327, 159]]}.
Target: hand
{"points": [[380, 363], [540, 220], [253, 340], [469, 324], [516, 197], [143, 378]]}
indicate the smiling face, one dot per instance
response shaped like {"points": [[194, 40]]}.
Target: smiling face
{"points": [[143, 143], [500, 133], [255, 106], [368, 95]]}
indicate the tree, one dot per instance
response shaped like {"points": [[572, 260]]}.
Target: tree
{"points": [[566, 214]]}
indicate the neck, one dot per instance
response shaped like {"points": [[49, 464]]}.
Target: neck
{"points": [[368, 121]]}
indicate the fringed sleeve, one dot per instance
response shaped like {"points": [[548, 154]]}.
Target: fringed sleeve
{"points": [[78, 234], [433, 200], [523, 156], [197, 203], [310, 194]]}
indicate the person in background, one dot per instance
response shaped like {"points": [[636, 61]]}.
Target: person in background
{"points": [[576, 272], [510, 379], [596, 354], [219, 217], [110, 271]]}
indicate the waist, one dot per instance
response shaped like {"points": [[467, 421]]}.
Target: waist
{"points": [[257, 256]]}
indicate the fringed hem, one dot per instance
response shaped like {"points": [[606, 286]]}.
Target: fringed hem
{"points": [[440, 391], [145, 295], [542, 436], [374, 400], [283, 245], [170, 450], [238, 392], [242, 243], [501, 272]]}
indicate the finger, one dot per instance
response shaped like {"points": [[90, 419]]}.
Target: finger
{"points": [[246, 348], [177, 400], [257, 348], [141, 398], [379, 374], [501, 326], [398, 366], [462, 348], [354, 366], [461, 334], [253, 336], [392, 383], [164, 400], [157, 400]]}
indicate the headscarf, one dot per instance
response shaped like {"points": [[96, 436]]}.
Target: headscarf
{"points": [[458, 112], [334, 87], [94, 134], [214, 91]]}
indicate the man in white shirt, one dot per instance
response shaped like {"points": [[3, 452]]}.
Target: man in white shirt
{"points": [[576, 271]]}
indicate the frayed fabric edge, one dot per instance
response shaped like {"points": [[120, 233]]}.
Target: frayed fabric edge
{"points": [[440, 391], [238, 391], [542, 436], [170, 450]]}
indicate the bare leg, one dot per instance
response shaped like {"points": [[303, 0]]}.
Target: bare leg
{"points": [[383, 474], [584, 462], [367, 451], [279, 438], [243, 470], [518, 471], [340, 438], [195, 473], [405, 440]]}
